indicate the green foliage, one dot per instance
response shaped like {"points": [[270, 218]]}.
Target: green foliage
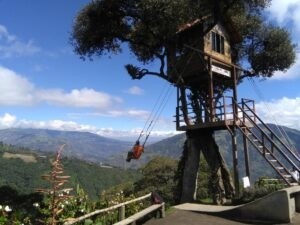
{"points": [[274, 53], [263, 187], [22, 207], [158, 175], [203, 183], [82, 145], [26, 177], [149, 28]]}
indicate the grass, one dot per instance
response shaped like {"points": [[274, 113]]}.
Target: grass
{"points": [[24, 157]]}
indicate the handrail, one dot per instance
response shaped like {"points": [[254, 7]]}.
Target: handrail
{"points": [[78, 219], [263, 152], [267, 136], [274, 135]]}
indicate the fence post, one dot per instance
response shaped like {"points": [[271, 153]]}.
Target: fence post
{"points": [[122, 213], [163, 214]]}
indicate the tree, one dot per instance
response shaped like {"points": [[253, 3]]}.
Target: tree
{"points": [[158, 175], [149, 28]]}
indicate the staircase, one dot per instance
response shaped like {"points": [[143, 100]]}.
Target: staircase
{"points": [[282, 158]]}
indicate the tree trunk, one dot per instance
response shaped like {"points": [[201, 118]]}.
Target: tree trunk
{"points": [[222, 184], [190, 170]]}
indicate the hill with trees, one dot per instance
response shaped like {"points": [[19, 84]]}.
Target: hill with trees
{"points": [[172, 147], [94, 148], [21, 169], [81, 145]]}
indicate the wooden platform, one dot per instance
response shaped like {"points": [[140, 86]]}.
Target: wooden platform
{"points": [[218, 125]]}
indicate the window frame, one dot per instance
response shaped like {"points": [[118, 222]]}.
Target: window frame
{"points": [[217, 42]]}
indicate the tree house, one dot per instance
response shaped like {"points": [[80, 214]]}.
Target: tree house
{"points": [[203, 70], [201, 66]]}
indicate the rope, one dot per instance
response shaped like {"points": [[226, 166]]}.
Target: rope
{"points": [[150, 119], [163, 99], [280, 129]]}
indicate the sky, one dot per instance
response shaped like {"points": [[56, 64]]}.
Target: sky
{"points": [[44, 84]]}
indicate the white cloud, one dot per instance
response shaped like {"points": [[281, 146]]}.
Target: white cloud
{"points": [[137, 114], [135, 91], [11, 121], [11, 46], [16, 90], [83, 98], [287, 14], [284, 111], [287, 11], [284, 10], [7, 121]]}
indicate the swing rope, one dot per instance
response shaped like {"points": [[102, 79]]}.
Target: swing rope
{"points": [[163, 100]]}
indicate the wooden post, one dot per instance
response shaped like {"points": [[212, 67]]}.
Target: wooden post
{"points": [[160, 213], [272, 142], [211, 92], [246, 152], [235, 163], [234, 137], [122, 213], [178, 110], [163, 211]]}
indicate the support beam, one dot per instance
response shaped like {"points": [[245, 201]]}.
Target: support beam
{"points": [[235, 163], [246, 153], [190, 173]]}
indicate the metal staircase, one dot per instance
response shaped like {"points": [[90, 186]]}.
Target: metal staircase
{"points": [[282, 158], [225, 113]]}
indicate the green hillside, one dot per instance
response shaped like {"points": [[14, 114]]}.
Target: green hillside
{"points": [[21, 169], [172, 147], [82, 145]]}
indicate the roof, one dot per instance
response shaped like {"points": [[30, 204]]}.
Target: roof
{"points": [[233, 33], [188, 26]]}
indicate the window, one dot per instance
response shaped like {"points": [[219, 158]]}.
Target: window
{"points": [[217, 42]]}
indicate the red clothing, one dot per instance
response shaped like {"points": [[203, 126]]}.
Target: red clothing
{"points": [[137, 151]]}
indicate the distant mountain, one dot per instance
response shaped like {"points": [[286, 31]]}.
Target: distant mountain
{"points": [[173, 146], [95, 148], [82, 145]]}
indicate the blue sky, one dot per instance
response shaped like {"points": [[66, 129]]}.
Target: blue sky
{"points": [[43, 84]]}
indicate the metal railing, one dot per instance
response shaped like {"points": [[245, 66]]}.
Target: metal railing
{"points": [[260, 135]]}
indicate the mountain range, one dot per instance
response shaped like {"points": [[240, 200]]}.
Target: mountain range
{"points": [[81, 145], [95, 148]]}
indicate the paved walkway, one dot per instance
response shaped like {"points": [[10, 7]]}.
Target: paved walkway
{"points": [[183, 217], [204, 208]]}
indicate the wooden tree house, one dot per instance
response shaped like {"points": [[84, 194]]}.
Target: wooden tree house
{"points": [[203, 70]]}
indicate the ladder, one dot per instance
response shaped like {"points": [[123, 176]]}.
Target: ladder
{"points": [[281, 158]]}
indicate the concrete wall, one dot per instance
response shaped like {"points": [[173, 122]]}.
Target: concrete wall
{"points": [[279, 206]]}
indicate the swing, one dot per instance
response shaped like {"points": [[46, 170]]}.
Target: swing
{"points": [[137, 149]]}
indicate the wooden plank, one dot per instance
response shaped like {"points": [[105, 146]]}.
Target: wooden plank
{"points": [[75, 220], [140, 214]]}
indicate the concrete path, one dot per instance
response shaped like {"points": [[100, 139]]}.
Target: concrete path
{"points": [[204, 208], [183, 217]]}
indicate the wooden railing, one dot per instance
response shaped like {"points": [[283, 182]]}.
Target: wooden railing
{"points": [[121, 209], [222, 111]]}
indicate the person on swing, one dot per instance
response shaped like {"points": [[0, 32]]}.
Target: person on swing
{"points": [[136, 151]]}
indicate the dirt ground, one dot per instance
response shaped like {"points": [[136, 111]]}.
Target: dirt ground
{"points": [[182, 217]]}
